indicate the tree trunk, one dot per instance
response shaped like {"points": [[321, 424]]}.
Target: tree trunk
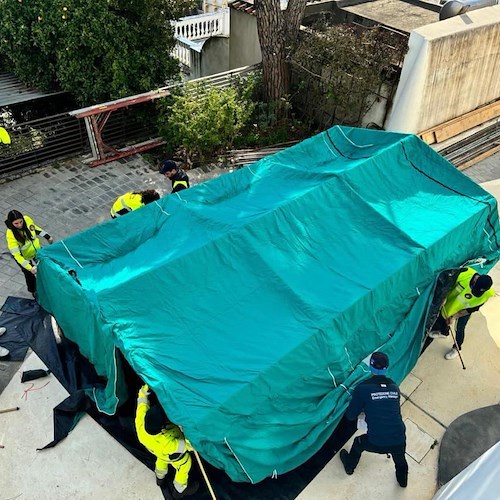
{"points": [[277, 29]]}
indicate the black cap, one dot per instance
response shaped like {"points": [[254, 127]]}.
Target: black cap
{"points": [[379, 363], [482, 284]]}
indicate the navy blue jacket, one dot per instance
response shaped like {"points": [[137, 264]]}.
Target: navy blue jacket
{"points": [[378, 397]]}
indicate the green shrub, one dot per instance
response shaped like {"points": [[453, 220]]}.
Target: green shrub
{"points": [[203, 120]]}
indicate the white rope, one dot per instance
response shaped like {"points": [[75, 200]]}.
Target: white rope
{"points": [[356, 145], [347, 390], [333, 378], [418, 291], [328, 146], [178, 196], [238, 460], [160, 207], [70, 254], [274, 475], [253, 173], [348, 357], [489, 240]]}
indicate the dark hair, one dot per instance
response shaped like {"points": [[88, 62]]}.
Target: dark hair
{"points": [[22, 234], [155, 420], [149, 196]]}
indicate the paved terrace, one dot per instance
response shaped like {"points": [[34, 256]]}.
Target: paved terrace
{"points": [[69, 197]]}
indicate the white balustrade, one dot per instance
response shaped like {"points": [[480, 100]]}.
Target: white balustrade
{"points": [[182, 52], [203, 25]]}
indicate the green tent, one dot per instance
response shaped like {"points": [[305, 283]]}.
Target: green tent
{"points": [[248, 303]]}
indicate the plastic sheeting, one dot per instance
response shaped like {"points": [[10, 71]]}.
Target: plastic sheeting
{"points": [[479, 480], [249, 302]]}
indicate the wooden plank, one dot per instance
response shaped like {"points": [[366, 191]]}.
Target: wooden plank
{"points": [[428, 137], [462, 123], [482, 156]]}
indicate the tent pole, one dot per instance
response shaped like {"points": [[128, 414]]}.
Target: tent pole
{"points": [[205, 477]]}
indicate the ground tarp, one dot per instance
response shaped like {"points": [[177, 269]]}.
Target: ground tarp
{"points": [[249, 302]]}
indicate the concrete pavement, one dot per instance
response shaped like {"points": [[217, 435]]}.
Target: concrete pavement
{"points": [[69, 197]]}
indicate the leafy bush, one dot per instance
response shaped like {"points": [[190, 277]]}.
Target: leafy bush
{"points": [[95, 49], [203, 120]]}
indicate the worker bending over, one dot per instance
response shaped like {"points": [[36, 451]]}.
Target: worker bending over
{"points": [[132, 201], [177, 176], [166, 441], [470, 292], [378, 397]]}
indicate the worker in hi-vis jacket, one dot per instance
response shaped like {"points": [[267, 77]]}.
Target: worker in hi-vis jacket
{"points": [[166, 441], [132, 201]]}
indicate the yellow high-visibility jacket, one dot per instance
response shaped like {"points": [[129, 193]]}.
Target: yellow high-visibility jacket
{"points": [[461, 297], [167, 446], [128, 201], [23, 253]]}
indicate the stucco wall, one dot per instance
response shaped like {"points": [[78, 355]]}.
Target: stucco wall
{"points": [[215, 56], [452, 67], [245, 46]]}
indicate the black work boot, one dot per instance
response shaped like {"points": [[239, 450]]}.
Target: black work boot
{"points": [[190, 490], [344, 457]]}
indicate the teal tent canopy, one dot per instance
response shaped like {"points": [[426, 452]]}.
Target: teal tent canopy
{"points": [[248, 303]]}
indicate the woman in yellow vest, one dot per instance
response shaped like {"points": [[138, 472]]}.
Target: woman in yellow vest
{"points": [[166, 442], [132, 201], [470, 292], [23, 243]]}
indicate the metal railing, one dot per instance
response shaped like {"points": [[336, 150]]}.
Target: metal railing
{"points": [[61, 136], [37, 142]]}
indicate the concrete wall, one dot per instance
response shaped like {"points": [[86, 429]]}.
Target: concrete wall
{"points": [[452, 67], [245, 46], [215, 56]]}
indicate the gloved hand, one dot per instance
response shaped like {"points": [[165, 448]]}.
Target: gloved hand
{"points": [[33, 270], [144, 393]]}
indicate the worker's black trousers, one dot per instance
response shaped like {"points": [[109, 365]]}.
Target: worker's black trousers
{"points": [[30, 279], [362, 444], [442, 326]]}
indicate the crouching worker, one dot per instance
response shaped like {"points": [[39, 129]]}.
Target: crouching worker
{"points": [[378, 397], [166, 441], [132, 201]]}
